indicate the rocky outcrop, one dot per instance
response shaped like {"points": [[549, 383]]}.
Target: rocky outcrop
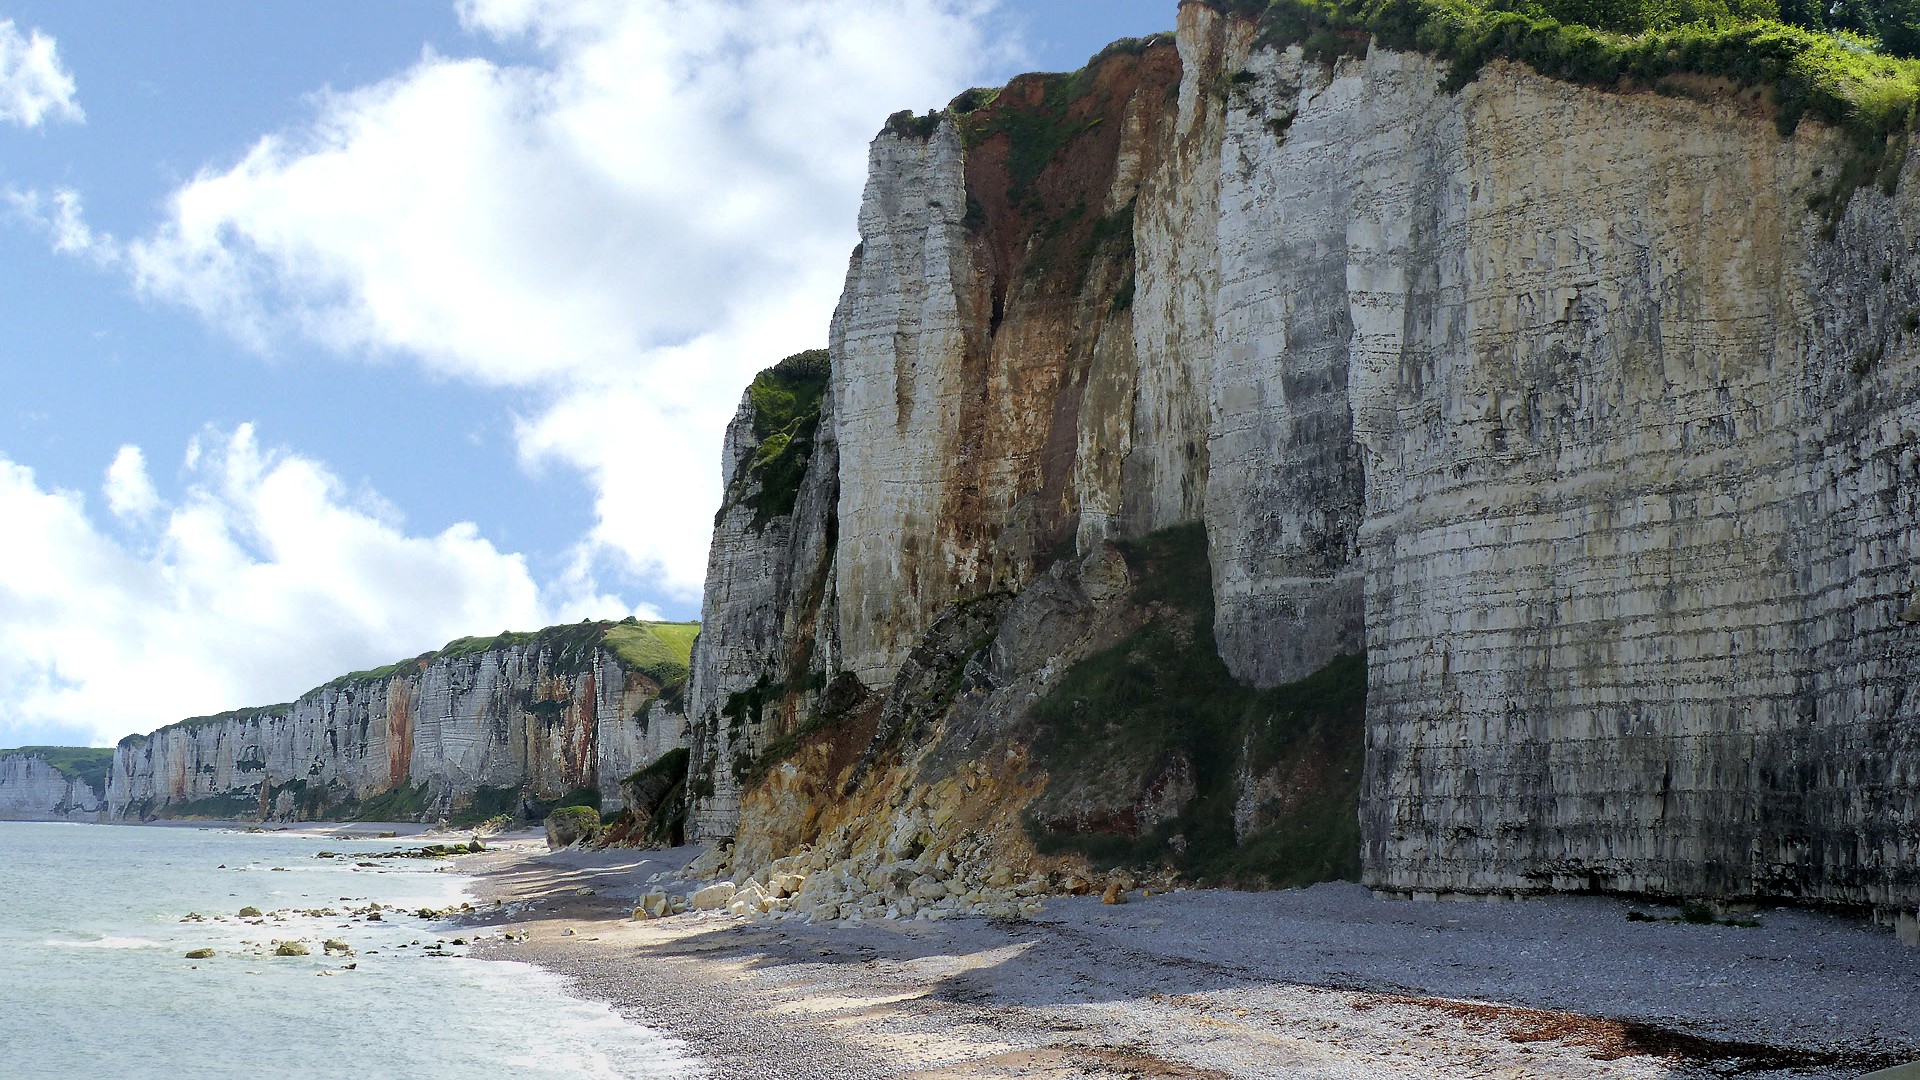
{"points": [[33, 787], [767, 583], [1585, 414], [480, 728]]}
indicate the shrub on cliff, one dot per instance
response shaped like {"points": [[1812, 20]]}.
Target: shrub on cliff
{"points": [[786, 402]]}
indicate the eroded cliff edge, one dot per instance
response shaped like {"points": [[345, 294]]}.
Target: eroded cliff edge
{"points": [[1585, 413], [467, 732]]}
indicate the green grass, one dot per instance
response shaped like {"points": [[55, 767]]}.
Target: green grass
{"points": [[786, 401], [1163, 694], [1839, 79], [87, 764], [243, 716], [661, 651]]}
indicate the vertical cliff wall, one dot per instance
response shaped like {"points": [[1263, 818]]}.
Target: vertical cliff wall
{"points": [[1585, 412], [52, 784], [466, 732], [767, 583]]}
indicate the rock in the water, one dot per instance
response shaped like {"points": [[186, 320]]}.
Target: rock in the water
{"points": [[335, 945], [250, 912], [290, 948], [200, 954]]}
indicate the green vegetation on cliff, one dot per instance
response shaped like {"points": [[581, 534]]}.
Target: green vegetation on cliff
{"points": [[786, 401], [1160, 707], [87, 764], [661, 651], [1815, 68]]}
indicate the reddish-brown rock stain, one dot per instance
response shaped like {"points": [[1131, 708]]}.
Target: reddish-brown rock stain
{"points": [[399, 733], [1048, 262]]}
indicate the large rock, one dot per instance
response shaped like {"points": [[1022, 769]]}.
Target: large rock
{"points": [[571, 825]]}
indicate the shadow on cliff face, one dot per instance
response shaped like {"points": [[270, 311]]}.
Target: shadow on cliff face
{"points": [[1084, 728], [1154, 754]]}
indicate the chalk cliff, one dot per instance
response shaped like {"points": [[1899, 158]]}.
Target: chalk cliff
{"points": [[467, 732], [34, 786], [1585, 414]]}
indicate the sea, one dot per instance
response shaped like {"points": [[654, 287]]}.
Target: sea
{"points": [[94, 980]]}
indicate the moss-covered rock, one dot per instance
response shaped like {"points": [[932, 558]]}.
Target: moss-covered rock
{"points": [[571, 825]]}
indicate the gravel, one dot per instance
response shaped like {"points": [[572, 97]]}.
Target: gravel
{"points": [[1322, 982]]}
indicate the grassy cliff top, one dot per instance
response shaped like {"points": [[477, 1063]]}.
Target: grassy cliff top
{"points": [[1849, 67], [662, 651], [786, 401], [85, 763]]}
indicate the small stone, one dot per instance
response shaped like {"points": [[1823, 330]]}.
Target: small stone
{"points": [[1114, 894], [335, 945], [290, 948], [200, 954], [249, 912]]}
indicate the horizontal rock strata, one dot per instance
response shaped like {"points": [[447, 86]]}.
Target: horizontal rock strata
{"points": [[1564, 405]]}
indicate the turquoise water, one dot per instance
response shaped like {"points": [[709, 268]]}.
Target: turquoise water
{"points": [[93, 981]]}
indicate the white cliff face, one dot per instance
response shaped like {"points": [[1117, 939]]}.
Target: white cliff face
{"points": [[899, 355], [32, 790], [1554, 401], [1177, 279], [1633, 538], [766, 592], [518, 717]]}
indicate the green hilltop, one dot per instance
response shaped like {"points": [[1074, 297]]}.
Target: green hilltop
{"points": [[89, 764], [662, 651]]}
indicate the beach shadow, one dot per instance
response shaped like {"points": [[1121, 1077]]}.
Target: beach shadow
{"points": [[1573, 972]]}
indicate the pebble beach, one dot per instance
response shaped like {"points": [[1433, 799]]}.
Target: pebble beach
{"points": [[1327, 982]]}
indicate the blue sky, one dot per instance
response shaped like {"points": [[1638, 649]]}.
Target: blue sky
{"points": [[335, 330]]}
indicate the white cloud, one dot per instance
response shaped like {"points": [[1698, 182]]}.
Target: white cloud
{"points": [[263, 579], [623, 232], [63, 218], [129, 490], [33, 84]]}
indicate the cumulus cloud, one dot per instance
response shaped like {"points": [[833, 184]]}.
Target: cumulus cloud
{"points": [[264, 578], [129, 490], [34, 86], [622, 231]]}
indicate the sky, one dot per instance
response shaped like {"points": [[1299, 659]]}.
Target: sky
{"points": [[333, 330]]}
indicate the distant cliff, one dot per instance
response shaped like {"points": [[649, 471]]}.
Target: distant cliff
{"points": [[479, 728], [53, 783], [1489, 457]]}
